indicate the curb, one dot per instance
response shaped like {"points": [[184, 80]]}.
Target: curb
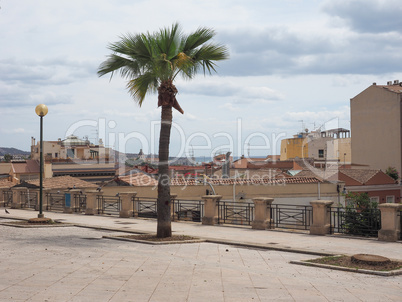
{"points": [[348, 269]]}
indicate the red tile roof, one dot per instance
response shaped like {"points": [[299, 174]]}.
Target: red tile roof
{"points": [[64, 182], [228, 181], [138, 180], [28, 167]]}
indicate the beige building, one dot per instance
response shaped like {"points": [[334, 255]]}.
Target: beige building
{"points": [[70, 148], [324, 147], [77, 158], [376, 126]]}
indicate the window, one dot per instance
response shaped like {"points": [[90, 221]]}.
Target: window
{"points": [[375, 199], [70, 153], [390, 199], [321, 153]]}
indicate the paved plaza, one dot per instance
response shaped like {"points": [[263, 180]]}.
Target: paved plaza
{"points": [[76, 263]]}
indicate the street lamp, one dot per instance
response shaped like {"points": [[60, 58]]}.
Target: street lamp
{"points": [[41, 111]]}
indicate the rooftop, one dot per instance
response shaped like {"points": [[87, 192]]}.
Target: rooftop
{"points": [[64, 182], [28, 167]]}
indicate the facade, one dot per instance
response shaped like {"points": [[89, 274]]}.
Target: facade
{"points": [[324, 147], [24, 171], [379, 186], [71, 148], [376, 126], [77, 158], [295, 147]]}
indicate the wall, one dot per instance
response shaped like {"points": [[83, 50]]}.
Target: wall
{"points": [[316, 144], [292, 193], [48, 147], [292, 148], [376, 128]]}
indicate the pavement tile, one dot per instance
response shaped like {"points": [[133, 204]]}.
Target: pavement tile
{"points": [[77, 264]]}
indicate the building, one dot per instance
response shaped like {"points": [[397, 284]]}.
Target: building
{"points": [[329, 147], [72, 148], [77, 158], [376, 121], [379, 186], [24, 171], [295, 147]]}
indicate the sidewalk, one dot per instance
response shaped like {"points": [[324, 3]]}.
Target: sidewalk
{"points": [[268, 239], [78, 264]]}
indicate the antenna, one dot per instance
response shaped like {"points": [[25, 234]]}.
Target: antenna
{"points": [[191, 151], [97, 136], [313, 126], [302, 125]]}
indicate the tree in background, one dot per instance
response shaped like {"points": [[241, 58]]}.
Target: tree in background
{"points": [[392, 172], [151, 63], [8, 158]]}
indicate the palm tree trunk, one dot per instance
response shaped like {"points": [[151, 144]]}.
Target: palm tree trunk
{"points": [[164, 227]]}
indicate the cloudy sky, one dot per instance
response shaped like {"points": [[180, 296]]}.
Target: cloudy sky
{"points": [[294, 64]]}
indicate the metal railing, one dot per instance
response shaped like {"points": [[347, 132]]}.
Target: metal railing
{"points": [[230, 212], [355, 221], [8, 198], [188, 210], [80, 202], [110, 205], [400, 221], [146, 206], [29, 199], [291, 216], [55, 201]]}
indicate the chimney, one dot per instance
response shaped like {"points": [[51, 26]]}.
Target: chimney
{"points": [[396, 82]]}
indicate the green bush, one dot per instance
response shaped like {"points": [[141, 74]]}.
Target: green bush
{"points": [[392, 172], [362, 216]]}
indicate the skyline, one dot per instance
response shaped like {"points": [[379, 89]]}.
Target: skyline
{"points": [[293, 65]]}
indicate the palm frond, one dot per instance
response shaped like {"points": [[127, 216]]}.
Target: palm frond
{"points": [[196, 39], [140, 86], [150, 59]]}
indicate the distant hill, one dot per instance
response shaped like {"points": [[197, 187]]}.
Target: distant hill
{"points": [[13, 151]]}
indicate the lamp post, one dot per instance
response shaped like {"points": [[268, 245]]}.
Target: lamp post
{"points": [[41, 110]]}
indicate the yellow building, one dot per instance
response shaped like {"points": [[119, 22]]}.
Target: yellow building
{"points": [[294, 147], [331, 146]]}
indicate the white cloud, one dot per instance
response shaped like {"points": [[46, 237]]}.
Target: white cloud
{"points": [[289, 61]]}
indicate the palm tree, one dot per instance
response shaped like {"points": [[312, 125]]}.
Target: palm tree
{"points": [[151, 63]]}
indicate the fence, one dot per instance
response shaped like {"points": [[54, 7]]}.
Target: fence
{"points": [[400, 227], [80, 202], [55, 201], [8, 198], [188, 210], [29, 199], [291, 216], [235, 213], [146, 207], [109, 205], [354, 221]]}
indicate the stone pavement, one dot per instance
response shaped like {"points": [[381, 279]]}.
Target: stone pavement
{"points": [[77, 264]]}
